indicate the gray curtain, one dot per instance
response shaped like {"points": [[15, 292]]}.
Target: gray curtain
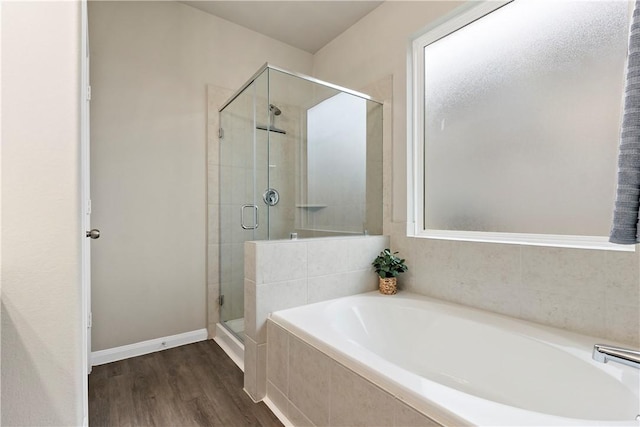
{"points": [[626, 213]]}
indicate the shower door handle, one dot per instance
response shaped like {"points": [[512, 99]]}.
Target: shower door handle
{"points": [[255, 217]]}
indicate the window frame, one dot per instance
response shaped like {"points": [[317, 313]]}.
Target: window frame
{"points": [[455, 20]]}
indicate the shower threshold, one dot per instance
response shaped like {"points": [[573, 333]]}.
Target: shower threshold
{"points": [[230, 344], [237, 327]]}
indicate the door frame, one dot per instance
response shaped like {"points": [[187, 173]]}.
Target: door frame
{"points": [[85, 208]]}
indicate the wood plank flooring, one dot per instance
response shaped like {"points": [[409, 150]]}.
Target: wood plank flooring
{"points": [[191, 385]]}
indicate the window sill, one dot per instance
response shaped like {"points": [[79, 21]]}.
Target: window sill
{"points": [[558, 241]]}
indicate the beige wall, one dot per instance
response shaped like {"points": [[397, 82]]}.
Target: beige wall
{"points": [[151, 63], [0, 220], [593, 292], [41, 234]]}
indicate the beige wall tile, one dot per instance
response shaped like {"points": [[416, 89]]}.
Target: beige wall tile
{"points": [[565, 288], [325, 287], [277, 296], [622, 323], [261, 372], [225, 261], [278, 357], [487, 263], [340, 285], [225, 192], [503, 299], [570, 312], [278, 398], [250, 309], [213, 222], [309, 381], [213, 271], [362, 251], [405, 246], [250, 366], [237, 297], [441, 266], [361, 281], [297, 417], [357, 402], [327, 257], [262, 299], [250, 261], [277, 262], [406, 416], [571, 271], [622, 284], [213, 308]]}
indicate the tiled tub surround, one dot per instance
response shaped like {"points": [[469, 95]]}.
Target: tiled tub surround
{"points": [[310, 388], [593, 292], [459, 366], [282, 274]]}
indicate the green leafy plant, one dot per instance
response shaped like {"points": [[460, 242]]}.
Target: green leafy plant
{"points": [[387, 264]]}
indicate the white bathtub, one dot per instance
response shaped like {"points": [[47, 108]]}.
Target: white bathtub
{"points": [[464, 366]]}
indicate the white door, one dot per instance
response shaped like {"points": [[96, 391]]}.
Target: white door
{"points": [[85, 97], [86, 196]]}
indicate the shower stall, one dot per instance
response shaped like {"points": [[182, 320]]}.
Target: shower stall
{"points": [[299, 158]]}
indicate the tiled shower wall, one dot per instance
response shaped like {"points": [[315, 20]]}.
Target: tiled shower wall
{"points": [[284, 152], [341, 191], [289, 273], [281, 161], [285, 173]]}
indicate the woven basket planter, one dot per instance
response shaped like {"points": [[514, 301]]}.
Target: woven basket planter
{"points": [[388, 285]]}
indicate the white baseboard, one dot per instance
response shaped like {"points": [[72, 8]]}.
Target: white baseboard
{"points": [[145, 347]]}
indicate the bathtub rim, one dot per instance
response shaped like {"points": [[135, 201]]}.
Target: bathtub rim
{"points": [[435, 409], [438, 414]]}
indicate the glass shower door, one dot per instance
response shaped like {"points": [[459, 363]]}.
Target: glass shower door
{"points": [[243, 174], [298, 157]]}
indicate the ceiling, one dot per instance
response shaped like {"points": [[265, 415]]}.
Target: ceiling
{"points": [[307, 24]]}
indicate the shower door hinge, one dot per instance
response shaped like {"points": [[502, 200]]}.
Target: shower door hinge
{"points": [[88, 93], [90, 320], [221, 300], [221, 133]]}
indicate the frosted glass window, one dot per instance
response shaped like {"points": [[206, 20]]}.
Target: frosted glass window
{"points": [[522, 111]]}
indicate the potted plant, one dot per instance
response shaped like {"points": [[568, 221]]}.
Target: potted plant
{"points": [[389, 266]]}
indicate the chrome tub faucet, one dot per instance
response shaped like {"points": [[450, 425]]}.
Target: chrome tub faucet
{"points": [[605, 353]]}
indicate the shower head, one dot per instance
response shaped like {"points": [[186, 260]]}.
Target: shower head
{"points": [[275, 110]]}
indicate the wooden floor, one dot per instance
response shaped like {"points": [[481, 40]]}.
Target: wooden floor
{"points": [[192, 385]]}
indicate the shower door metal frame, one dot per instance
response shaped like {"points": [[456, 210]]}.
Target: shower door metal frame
{"points": [[247, 218], [267, 67], [294, 74]]}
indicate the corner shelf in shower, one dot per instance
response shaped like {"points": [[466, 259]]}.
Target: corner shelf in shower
{"points": [[311, 206]]}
